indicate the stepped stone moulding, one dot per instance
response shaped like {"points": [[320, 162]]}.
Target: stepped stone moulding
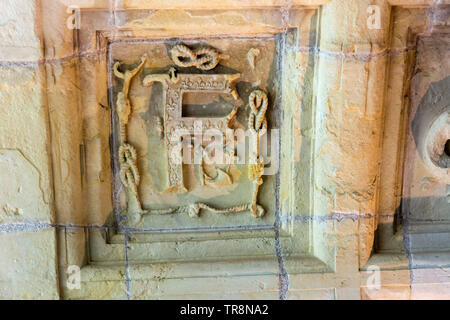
{"points": [[150, 85]]}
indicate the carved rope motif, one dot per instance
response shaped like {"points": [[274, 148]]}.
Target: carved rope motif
{"points": [[257, 124], [204, 59], [129, 173]]}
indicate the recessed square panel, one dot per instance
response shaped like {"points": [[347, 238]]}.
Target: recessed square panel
{"points": [[192, 77], [167, 96]]}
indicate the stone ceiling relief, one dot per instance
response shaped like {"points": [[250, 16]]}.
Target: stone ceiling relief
{"points": [[160, 88], [176, 84]]}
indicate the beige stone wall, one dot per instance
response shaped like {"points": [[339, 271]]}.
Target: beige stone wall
{"points": [[346, 92], [29, 257]]}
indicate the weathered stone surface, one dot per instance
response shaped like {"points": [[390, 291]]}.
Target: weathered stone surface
{"points": [[24, 199], [20, 31], [25, 167], [28, 265], [346, 96]]}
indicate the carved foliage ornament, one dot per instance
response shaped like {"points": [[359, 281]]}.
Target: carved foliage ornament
{"points": [[174, 85]]}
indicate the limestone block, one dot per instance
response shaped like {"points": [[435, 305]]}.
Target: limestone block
{"points": [[96, 135], [344, 112], [395, 292], [218, 296], [205, 4], [430, 283], [392, 137], [24, 145], [97, 282], [56, 133], [430, 291], [253, 287], [75, 246], [98, 290], [65, 124], [28, 265], [317, 294], [416, 20], [378, 283], [60, 22], [427, 177], [24, 199], [347, 247], [20, 31], [345, 25]]}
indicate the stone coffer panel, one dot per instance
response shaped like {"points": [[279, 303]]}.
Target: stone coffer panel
{"points": [[427, 179], [97, 192], [201, 105], [149, 78]]}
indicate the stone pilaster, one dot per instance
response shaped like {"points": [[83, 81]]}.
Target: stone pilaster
{"points": [[350, 95], [28, 251]]}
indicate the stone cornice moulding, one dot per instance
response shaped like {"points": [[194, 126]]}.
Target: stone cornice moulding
{"points": [[195, 4], [220, 4], [416, 3], [226, 4]]}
